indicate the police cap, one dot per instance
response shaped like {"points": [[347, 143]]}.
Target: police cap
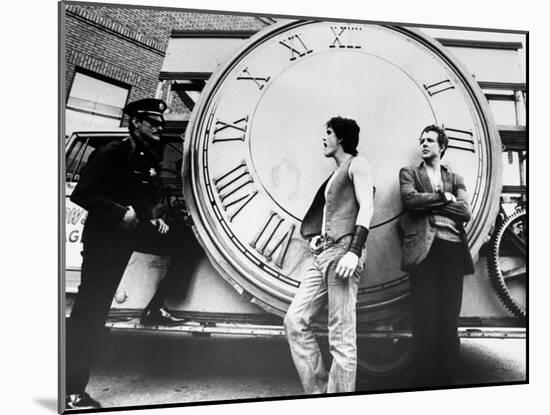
{"points": [[148, 107]]}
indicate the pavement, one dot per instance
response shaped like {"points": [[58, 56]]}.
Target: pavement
{"points": [[134, 369]]}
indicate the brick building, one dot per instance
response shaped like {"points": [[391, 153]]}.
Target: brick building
{"points": [[114, 55]]}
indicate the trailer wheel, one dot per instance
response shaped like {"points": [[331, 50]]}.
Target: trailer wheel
{"points": [[380, 358], [507, 263]]}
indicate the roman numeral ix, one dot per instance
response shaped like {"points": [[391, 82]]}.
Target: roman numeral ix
{"points": [[234, 131]]}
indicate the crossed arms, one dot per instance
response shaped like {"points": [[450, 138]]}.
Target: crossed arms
{"points": [[452, 205]]}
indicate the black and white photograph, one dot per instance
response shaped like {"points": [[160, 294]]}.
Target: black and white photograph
{"points": [[277, 208], [264, 206]]}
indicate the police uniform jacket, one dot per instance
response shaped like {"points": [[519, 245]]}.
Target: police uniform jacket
{"points": [[117, 175]]}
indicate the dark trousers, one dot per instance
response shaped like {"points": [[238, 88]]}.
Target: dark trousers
{"points": [[105, 256], [436, 299]]}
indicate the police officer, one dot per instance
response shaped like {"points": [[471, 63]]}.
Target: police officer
{"points": [[120, 187]]}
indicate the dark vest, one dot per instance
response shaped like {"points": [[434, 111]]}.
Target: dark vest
{"points": [[341, 208]]}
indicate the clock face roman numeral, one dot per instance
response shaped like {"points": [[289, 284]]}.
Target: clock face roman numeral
{"points": [[224, 131], [296, 46], [273, 237], [235, 189], [260, 81], [438, 87], [460, 139], [345, 37]]}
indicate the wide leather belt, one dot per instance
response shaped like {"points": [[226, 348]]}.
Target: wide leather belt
{"points": [[320, 243]]}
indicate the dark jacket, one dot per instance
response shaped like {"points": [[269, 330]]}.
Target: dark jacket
{"points": [[420, 204], [117, 175]]}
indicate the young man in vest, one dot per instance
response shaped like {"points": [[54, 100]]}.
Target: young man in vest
{"points": [[436, 256], [337, 226]]}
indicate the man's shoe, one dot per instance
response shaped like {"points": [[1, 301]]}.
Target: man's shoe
{"points": [[81, 401], [160, 317]]}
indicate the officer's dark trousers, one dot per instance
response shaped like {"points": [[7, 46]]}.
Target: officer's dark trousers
{"points": [[436, 298], [105, 257]]}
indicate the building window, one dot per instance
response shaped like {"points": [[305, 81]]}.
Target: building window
{"points": [[94, 104]]}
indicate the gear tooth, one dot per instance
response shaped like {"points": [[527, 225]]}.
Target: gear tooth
{"points": [[495, 275]]}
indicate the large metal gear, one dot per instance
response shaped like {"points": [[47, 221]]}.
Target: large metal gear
{"points": [[507, 262]]}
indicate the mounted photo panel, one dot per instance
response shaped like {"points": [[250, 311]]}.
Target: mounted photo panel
{"points": [[201, 147]]}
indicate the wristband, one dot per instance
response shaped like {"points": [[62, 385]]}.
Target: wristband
{"points": [[360, 234]]}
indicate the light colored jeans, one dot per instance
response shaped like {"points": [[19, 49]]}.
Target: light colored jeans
{"points": [[319, 286]]}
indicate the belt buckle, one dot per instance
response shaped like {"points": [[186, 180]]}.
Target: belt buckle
{"points": [[317, 244]]}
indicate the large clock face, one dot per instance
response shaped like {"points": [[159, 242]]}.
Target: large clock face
{"points": [[254, 155]]}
